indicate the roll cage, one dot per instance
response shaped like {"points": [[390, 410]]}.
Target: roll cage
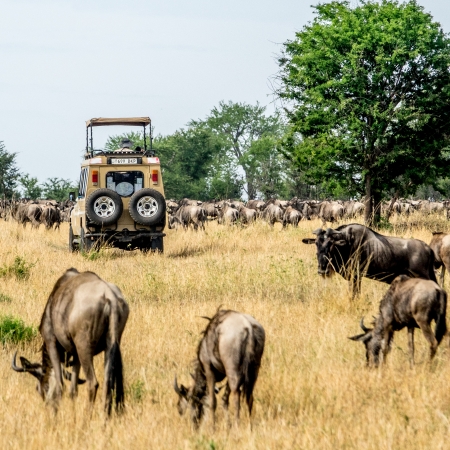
{"points": [[128, 121]]}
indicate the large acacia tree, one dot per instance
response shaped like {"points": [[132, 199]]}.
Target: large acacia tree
{"points": [[367, 93]]}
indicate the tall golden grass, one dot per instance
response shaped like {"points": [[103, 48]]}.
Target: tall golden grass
{"points": [[313, 391]]}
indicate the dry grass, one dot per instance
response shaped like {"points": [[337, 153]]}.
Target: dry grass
{"points": [[313, 391]]}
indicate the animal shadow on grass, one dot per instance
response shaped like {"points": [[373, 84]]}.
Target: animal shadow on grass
{"points": [[190, 250]]}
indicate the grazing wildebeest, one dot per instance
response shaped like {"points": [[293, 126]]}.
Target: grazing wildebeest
{"points": [[273, 213], [29, 212], [355, 250], [191, 215], [84, 316], [50, 216], [291, 216], [440, 244], [330, 212], [232, 347], [227, 214], [411, 303], [247, 215]]}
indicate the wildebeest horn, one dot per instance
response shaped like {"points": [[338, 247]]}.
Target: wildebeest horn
{"points": [[14, 366], [206, 317], [175, 386], [192, 375], [363, 327]]}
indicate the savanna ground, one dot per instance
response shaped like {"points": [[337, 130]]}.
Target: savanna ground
{"points": [[313, 391]]}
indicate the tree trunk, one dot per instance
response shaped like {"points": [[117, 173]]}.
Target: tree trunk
{"points": [[372, 213], [251, 190]]}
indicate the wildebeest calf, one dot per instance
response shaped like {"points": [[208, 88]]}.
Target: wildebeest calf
{"points": [[411, 303], [84, 316], [232, 347]]}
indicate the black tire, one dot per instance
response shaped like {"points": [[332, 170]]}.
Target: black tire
{"points": [[147, 207], [104, 207], [71, 247]]}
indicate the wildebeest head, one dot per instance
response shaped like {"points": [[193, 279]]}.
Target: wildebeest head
{"points": [[192, 397], [42, 372], [326, 242], [371, 342]]}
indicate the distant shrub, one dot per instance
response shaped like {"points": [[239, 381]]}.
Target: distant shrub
{"points": [[5, 298], [20, 269], [137, 391], [13, 330]]}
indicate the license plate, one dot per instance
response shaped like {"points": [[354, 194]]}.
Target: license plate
{"points": [[123, 160]]}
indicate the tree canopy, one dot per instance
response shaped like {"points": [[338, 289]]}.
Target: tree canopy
{"points": [[9, 172], [367, 92]]}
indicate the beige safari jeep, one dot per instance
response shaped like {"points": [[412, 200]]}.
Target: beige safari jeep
{"points": [[120, 196]]}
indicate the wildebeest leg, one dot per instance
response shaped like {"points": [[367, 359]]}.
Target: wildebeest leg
{"points": [[411, 346], [442, 275], [210, 383], [226, 401], [87, 363], [56, 363], [386, 342], [429, 336], [75, 375]]}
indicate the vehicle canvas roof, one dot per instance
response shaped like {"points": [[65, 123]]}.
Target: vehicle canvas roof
{"points": [[131, 121]]}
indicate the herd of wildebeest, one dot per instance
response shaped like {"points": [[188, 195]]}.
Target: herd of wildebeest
{"points": [[49, 213], [195, 213], [85, 315]]}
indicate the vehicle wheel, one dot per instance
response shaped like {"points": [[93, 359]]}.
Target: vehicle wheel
{"points": [[157, 245], [104, 207], [71, 247], [147, 207]]}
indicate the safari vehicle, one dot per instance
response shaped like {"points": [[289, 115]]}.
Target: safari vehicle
{"points": [[120, 196]]}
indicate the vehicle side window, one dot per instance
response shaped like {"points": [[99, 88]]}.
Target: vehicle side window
{"points": [[83, 183], [125, 183]]}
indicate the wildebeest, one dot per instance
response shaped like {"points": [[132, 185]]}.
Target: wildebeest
{"points": [[232, 347], [84, 316], [227, 214], [355, 250], [273, 213], [411, 303], [50, 216], [247, 215], [440, 244], [330, 212], [191, 215], [291, 216]]}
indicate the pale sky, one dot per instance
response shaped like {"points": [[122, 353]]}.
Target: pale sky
{"points": [[63, 62]]}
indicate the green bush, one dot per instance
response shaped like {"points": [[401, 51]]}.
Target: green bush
{"points": [[13, 330], [20, 269], [5, 298]]}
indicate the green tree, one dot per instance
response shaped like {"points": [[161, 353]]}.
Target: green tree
{"points": [[367, 91], [186, 158], [268, 167], [31, 188], [9, 172], [239, 125], [57, 189]]}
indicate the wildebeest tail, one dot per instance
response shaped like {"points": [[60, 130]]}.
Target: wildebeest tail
{"points": [[250, 365], [114, 368], [432, 273], [441, 325]]}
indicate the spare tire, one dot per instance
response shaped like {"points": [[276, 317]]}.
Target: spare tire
{"points": [[104, 207], [147, 207]]}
